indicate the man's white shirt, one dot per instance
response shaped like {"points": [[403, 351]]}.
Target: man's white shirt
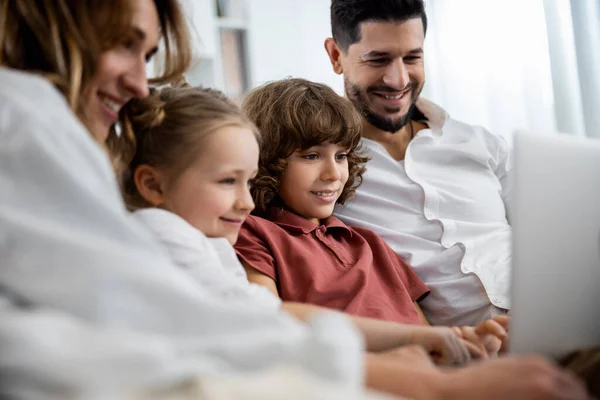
{"points": [[443, 210]]}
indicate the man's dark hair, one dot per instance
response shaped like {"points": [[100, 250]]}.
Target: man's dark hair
{"points": [[347, 15]]}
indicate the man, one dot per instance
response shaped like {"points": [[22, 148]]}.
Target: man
{"points": [[435, 188]]}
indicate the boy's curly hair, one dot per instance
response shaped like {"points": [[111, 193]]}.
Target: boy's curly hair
{"points": [[296, 114]]}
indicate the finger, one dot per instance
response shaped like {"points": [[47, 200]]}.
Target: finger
{"points": [[475, 351], [461, 352], [492, 345], [457, 331], [474, 341], [449, 349], [503, 320], [491, 327]]}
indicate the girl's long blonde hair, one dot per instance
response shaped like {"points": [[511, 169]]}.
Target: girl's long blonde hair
{"points": [[64, 39]]}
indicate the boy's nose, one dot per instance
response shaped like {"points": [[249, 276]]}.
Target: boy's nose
{"points": [[330, 171]]}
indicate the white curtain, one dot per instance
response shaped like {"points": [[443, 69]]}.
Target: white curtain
{"points": [[574, 37], [512, 65], [488, 63]]}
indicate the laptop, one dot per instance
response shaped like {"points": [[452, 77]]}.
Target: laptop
{"points": [[555, 216]]}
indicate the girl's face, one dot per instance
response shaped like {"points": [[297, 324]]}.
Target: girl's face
{"points": [[121, 75], [314, 179], [213, 194]]}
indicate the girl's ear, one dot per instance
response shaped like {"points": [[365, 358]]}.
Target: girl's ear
{"points": [[149, 182]]}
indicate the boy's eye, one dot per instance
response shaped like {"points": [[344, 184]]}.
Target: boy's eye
{"points": [[310, 156]]}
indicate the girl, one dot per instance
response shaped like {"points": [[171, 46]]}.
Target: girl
{"points": [[189, 179], [293, 245], [194, 158]]}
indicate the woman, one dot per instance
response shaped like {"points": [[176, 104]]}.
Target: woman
{"points": [[92, 304]]}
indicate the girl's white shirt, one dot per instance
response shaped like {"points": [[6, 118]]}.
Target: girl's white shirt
{"points": [[91, 303], [211, 262]]}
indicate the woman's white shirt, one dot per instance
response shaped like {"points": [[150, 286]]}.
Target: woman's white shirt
{"points": [[71, 255]]}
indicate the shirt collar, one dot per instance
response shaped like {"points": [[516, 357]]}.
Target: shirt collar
{"points": [[436, 115], [296, 223]]}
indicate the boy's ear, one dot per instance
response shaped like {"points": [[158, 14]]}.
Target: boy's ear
{"points": [[335, 55], [149, 182]]}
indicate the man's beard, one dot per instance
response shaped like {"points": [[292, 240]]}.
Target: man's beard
{"points": [[360, 101]]}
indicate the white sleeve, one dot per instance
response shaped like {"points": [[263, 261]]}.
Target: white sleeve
{"points": [[67, 244], [48, 355]]}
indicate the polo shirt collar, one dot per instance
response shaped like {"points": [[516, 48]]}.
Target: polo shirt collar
{"points": [[296, 223]]}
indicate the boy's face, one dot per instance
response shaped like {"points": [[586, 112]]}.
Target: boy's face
{"points": [[313, 180]]}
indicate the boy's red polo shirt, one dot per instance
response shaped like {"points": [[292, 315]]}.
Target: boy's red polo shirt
{"points": [[331, 265]]}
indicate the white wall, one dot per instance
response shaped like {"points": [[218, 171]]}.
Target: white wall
{"points": [[286, 39]]}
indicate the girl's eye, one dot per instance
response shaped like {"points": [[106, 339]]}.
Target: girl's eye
{"points": [[310, 156], [342, 156], [227, 181]]}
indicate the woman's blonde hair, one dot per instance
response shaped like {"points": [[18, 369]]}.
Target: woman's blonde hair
{"points": [[64, 39], [166, 130]]}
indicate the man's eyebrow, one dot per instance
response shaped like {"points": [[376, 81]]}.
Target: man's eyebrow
{"points": [[376, 54], [418, 50]]}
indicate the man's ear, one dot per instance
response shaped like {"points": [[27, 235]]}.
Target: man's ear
{"points": [[335, 55], [149, 182]]}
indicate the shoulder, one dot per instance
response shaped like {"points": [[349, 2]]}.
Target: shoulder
{"points": [[30, 93], [170, 228], [35, 111], [258, 224], [440, 118], [158, 218], [494, 144]]}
